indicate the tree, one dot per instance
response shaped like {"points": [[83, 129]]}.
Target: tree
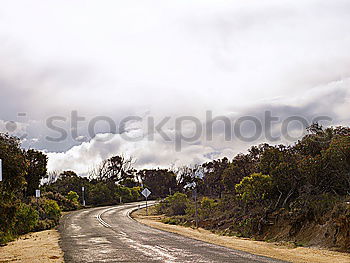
{"points": [[231, 176], [36, 170], [189, 177], [69, 181], [254, 188], [281, 163], [101, 194], [213, 173], [117, 169], [315, 141], [159, 181], [14, 168]]}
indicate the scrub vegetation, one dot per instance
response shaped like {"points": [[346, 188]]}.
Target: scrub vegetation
{"points": [[298, 193]]}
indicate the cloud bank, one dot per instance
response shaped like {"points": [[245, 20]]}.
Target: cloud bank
{"points": [[168, 59]]}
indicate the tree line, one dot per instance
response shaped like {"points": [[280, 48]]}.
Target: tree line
{"points": [[300, 183], [295, 192]]}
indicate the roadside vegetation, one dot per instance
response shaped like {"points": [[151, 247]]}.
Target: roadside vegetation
{"points": [[22, 170], [298, 193], [114, 181]]}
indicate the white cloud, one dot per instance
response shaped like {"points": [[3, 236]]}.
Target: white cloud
{"points": [[167, 58]]}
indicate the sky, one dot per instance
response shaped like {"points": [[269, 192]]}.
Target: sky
{"points": [[142, 63]]}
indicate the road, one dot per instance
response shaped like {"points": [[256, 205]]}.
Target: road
{"points": [[108, 234]]}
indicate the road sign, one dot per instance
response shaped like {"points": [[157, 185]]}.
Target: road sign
{"points": [[146, 192], [37, 193], [0, 170]]}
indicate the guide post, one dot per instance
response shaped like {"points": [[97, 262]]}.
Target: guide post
{"points": [[83, 193], [0, 170]]}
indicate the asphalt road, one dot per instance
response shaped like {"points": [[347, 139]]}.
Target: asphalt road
{"points": [[108, 234]]}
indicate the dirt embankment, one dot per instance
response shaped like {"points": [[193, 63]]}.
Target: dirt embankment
{"points": [[38, 247], [282, 251]]}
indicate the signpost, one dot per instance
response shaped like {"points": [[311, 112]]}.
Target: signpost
{"points": [[146, 194], [83, 193], [0, 170], [196, 207], [37, 195]]}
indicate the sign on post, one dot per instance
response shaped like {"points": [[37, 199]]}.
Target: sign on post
{"points": [[146, 194], [37, 193], [0, 170]]}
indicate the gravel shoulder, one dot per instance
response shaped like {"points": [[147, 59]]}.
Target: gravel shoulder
{"points": [[284, 252], [34, 247]]}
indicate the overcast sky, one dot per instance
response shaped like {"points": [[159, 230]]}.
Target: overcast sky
{"points": [[167, 59]]}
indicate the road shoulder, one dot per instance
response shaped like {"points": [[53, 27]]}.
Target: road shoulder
{"points": [[34, 247], [271, 250]]}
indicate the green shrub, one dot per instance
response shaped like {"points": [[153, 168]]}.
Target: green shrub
{"points": [[49, 213], [73, 197], [51, 210], [135, 193], [48, 209], [123, 192], [7, 218], [254, 188], [101, 194], [207, 207], [6, 237], [64, 203], [45, 225], [171, 221], [173, 205], [26, 219]]}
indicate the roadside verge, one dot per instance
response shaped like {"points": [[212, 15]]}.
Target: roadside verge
{"points": [[38, 247], [273, 250]]}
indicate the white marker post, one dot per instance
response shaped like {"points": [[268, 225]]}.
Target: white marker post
{"points": [[83, 193], [0, 170], [196, 207], [37, 196], [146, 194]]}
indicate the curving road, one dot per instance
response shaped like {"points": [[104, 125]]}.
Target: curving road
{"points": [[108, 234]]}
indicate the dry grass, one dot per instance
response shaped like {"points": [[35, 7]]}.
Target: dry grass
{"points": [[273, 250], [34, 247]]}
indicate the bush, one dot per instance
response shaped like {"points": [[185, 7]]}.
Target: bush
{"points": [[49, 213], [101, 194], [26, 219], [207, 207], [7, 216], [45, 225], [64, 203], [173, 205], [123, 192], [172, 221], [254, 188], [73, 197], [51, 210]]}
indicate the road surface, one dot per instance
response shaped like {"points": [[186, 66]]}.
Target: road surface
{"points": [[108, 234]]}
